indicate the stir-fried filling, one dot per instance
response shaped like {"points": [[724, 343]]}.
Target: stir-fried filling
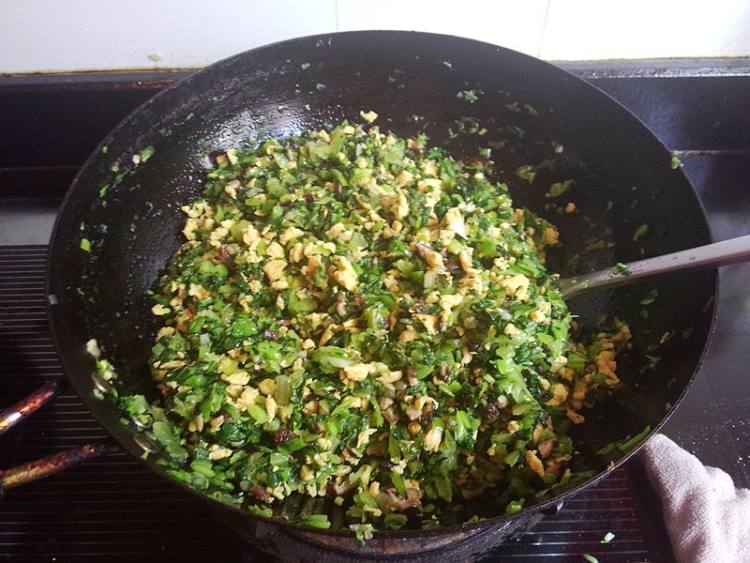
{"points": [[360, 316]]}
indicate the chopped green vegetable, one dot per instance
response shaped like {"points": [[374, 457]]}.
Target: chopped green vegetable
{"points": [[593, 244], [166, 434], [608, 537], [621, 269], [650, 298], [626, 444], [676, 163], [146, 153], [362, 316], [514, 506], [468, 96], [640, 233], [590, 558], [317, 521], [362, 532], [559, 188], [526, 172], [85, 245]]}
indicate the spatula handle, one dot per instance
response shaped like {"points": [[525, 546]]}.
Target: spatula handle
{"points": [[732, 251]]}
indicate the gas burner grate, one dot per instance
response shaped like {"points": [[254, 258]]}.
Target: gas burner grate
{"points": [[114, 508]]}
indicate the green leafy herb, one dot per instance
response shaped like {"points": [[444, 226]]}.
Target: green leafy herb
{"points": [[85, 245], [676, 163]]}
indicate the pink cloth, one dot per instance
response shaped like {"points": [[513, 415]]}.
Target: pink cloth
{"points": [[707, 518]]}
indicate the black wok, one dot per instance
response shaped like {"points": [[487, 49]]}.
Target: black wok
{"points": [[623, 180]]}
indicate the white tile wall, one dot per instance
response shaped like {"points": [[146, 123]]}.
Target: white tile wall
{"points": [[631, 29], [56, 35], [516, 25], [41, 35]]}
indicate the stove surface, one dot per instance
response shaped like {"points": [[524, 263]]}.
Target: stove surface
{"points": [[115, 508]]}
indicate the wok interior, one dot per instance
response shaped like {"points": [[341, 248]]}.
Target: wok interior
{"points": [[411, 80]]}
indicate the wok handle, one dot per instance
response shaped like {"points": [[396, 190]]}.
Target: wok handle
{"points": [[37, 469], [28, 405]]}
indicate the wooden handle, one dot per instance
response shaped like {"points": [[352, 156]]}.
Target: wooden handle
{"points": [[37, 469], [18, 412]]}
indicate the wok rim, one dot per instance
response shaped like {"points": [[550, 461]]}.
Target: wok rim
{"points": [[482, 525]]}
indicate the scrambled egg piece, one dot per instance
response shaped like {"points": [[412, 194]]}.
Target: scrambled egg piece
{"points": [[344, 274]]}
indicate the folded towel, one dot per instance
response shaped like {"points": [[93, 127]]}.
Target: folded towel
{"points": [[707, 518]]}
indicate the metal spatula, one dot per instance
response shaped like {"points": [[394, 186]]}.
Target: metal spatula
{"points": [[732, 251]]}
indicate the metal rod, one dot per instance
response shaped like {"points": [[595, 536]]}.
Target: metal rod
{"points": [[18, 412], [732, 251]]}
